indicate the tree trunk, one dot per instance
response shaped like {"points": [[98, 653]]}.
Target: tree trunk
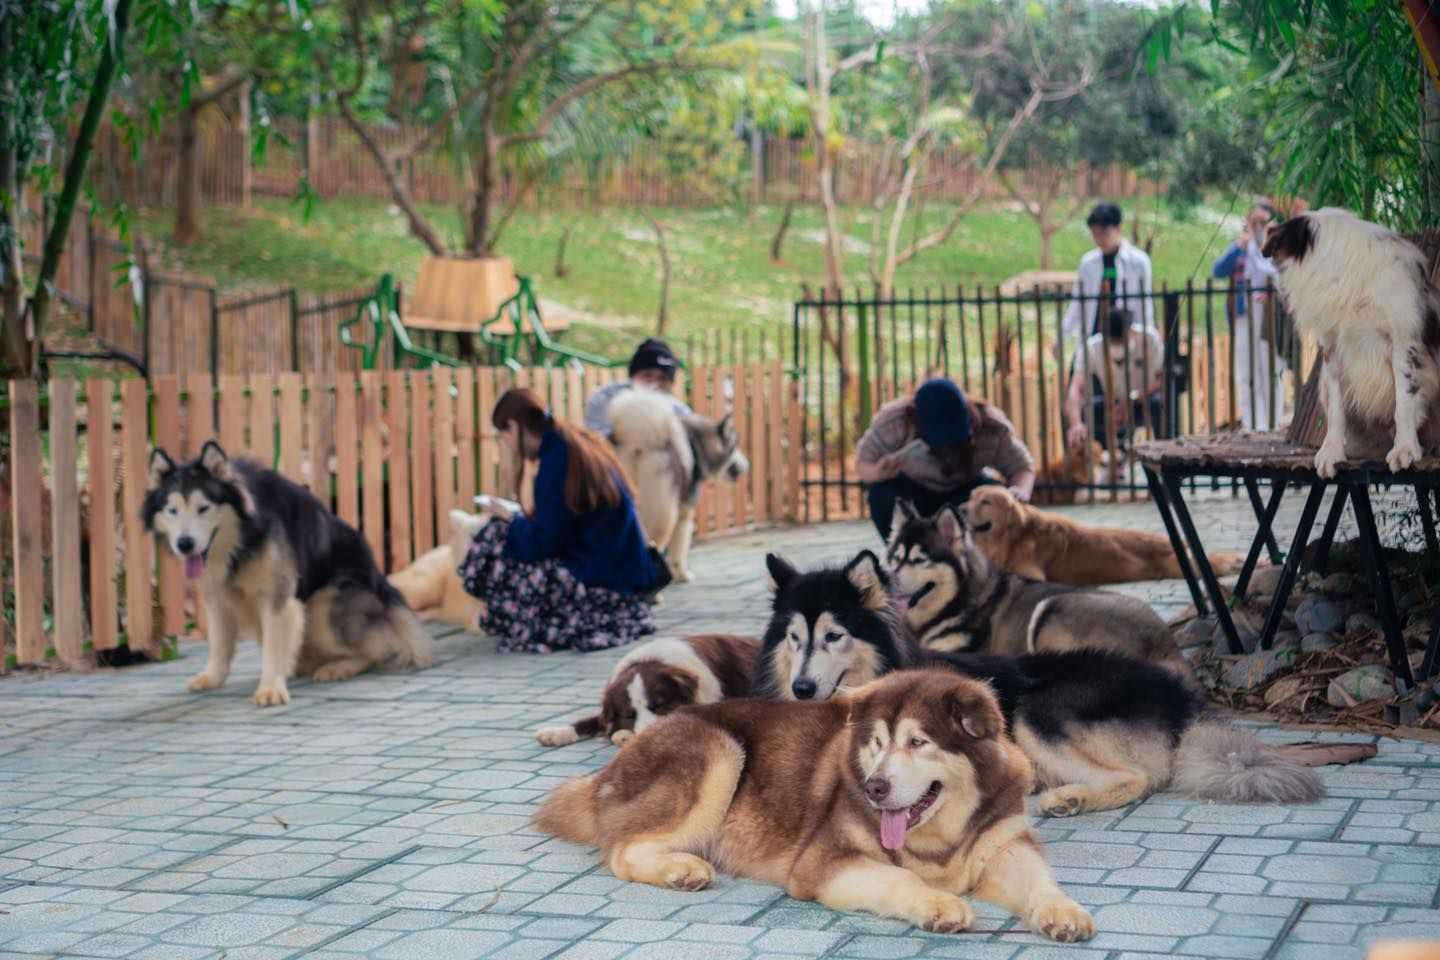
{"points": [[777, 243], [477, 241], [560, 268], [1047, 237], [14, 349], [188, 202], [662, 316], [40, 303]]}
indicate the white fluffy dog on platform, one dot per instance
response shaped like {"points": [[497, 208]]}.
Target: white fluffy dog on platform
{"points": [[1365, 295]]}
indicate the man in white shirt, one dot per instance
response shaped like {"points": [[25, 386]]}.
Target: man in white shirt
{"points": [[1116, 272], [1130, 390], [653, 367]]}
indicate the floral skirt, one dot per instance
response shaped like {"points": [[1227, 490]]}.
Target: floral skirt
{"points": [[541, 607]]}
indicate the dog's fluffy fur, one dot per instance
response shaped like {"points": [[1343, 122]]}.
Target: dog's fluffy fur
{"points": [[1363, 293], [1020, 539], [431, 585], [660, 677], [1102, 729], [896, 800], [668, 457], [273, 563], [958, 600]]}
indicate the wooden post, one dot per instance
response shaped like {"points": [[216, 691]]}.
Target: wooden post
{"points": [[139, 548], [167, 438], [246, 175], [65, 514], [99, 395], [27, 526]]}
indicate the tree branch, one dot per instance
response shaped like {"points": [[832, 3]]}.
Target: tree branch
{"points": [[228, 81], [938, 237]]}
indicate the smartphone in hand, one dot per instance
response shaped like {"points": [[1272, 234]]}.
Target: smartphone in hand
{"points": [[486, 502]]}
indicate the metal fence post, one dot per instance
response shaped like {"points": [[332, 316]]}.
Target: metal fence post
{"points": [[214, 335], [294, 331], [863, 348]]}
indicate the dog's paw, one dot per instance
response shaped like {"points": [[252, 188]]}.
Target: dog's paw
{"points": [[1060, 802], [687, 872], [1326, 458], [1404, 453], [272, 696], [556, 736], [204, 681], [1062, 919], [331, 672], [945, 913], [619, 737], [682, 575]]}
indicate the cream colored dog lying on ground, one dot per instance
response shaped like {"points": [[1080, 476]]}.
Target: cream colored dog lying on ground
{"points": [[431, 586]]}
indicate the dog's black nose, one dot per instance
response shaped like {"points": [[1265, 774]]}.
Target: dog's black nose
{"points": [[803, 689], [185, 544], [877, 788]]}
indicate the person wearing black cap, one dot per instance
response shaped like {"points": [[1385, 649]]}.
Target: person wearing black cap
{"points": [[933, 449], [1115, 272], [653, 367]]}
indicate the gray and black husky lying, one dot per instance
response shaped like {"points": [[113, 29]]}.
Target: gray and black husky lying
{"points": [[1102, 729], [959, 601], [274, 564]]}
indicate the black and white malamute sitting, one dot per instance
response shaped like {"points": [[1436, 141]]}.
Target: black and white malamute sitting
{"points": [[274, 564]]}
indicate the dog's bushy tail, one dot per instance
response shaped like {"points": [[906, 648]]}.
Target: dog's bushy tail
{"points": [[407, 645], [1230, 765], [569, 811]]}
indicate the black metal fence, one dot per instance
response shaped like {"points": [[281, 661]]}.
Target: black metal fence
{"points": [[1206, 368]]}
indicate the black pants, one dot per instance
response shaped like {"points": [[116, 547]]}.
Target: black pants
{"points": [[882, 497]]}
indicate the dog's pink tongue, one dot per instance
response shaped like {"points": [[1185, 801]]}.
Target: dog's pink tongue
{"points": [[892, 828], [194, 567], [902, 605]]}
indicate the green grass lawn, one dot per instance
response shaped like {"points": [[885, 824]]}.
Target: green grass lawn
{"points": [[722, 276]]}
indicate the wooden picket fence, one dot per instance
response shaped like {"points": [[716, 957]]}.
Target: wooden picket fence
{"points": [[390, 452]]}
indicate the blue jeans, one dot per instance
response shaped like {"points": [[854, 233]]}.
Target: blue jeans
{"points": [[882, 497]]}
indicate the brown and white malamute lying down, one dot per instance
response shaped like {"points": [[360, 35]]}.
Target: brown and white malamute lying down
{"points": [[431, 585], [667, 457], [959, 600], [659, 677], [1102, 729], [1024, 540], [274, 564], [897, 800]]}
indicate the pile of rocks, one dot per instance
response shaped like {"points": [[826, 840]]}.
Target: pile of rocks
{"points": [[1328, 662]]}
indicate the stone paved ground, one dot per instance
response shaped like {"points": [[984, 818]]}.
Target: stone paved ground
{"points": [[389, 817]]}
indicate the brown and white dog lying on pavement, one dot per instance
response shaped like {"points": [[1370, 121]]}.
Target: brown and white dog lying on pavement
{"points": [[659, 677], [1023, 540], [899, 799]]}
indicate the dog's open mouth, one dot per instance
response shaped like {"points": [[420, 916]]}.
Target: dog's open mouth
{"points": [[894, 823], [195, 562], [982, 527]]}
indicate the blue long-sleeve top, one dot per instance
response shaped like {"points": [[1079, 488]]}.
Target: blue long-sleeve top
{"points": [[603, 548], [1224, 268]]}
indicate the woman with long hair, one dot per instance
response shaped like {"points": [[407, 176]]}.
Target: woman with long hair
{"points": [[575, 572]]}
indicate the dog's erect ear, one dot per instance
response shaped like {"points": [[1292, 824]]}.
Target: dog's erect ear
{"points": [[215, 462], [781, 572], [868, 577], [160, 466], [950, 526], [974, 710], [722, 427]]}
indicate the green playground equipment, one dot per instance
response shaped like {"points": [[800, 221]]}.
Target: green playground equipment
{"points": [[381, 314]]}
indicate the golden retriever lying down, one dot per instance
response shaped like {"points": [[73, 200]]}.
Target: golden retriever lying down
{"points": [[1032, 543], [431, 586]]}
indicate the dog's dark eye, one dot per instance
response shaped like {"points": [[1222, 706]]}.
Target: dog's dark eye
{"points": [[875, 742], [171, 511], [833, 637], [916, 743], [794, 640], [204, 508]]}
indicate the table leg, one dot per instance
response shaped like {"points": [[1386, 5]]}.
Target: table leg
{"points": [[1327, 536], [1263, 517], [1292, 564], [1202, 563], [1264, 536], [1384, 599], [1427, 668], [1162, 502]]}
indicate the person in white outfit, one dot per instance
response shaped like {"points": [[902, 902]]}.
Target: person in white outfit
{"points": [[1259, 369], [1115, 265]]}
